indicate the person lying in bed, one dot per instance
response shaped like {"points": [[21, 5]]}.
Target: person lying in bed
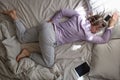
{"points": [[54, 33]]}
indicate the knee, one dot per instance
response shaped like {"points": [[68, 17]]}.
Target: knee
{"points": [[22, 40], [50, 64], [43, 25]]}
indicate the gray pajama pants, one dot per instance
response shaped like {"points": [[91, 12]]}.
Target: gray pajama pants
{"points": [[45, 35]]}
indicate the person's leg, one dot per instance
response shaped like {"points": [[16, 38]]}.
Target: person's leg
{"points": [[23, 53], [46, 41], [47, 44], [29, 35], [24, 36]]}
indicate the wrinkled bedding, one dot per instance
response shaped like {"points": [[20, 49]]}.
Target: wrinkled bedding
{"points": [[31, 13], [67, 57]]}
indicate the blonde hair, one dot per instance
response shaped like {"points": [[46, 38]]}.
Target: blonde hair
{"points": [[97, 19]]}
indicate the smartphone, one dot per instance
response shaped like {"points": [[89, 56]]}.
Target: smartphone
{"points": [[107, 18], [81, 70]]}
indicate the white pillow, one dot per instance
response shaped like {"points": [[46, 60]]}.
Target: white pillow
{"points": [[107, 5], [105, 61]]}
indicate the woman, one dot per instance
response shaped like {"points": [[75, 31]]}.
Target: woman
{"points": [[54, 33]]}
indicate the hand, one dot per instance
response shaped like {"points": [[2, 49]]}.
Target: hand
{"points": [[113, 20]]}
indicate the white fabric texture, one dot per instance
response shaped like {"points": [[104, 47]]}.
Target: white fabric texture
{"points": [[12, 52], [31, 13], [104, 5], [105, 61]]}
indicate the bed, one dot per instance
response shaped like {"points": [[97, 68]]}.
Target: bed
{"points": [[102, 58]]}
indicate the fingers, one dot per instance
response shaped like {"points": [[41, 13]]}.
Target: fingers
{"points": [[114, 19], [115, 15]]}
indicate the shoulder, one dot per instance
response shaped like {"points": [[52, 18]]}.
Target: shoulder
{"points": [[86, 26]]}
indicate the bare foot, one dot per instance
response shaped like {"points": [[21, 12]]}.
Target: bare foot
{"points": [[24, 53], [11, 13]]}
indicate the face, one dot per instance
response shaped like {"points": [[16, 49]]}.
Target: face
{"points": [[95, 29]]}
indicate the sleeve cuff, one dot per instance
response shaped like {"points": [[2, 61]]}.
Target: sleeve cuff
{"points": [[110, 27], [17, 20]]}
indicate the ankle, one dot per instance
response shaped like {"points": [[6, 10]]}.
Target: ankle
{"points": [[26, 52], [14, 18]]}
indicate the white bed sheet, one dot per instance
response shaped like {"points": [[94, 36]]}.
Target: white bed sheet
{"points": [[31, 12]]}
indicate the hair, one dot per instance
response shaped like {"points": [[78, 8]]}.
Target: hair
{"points": [[97, 19]]}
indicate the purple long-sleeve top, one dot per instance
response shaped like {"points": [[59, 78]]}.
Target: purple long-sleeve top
{"points": [[76, 28]]}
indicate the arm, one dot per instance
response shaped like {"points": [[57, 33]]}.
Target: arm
{"points": [[63, 13], [100, 39]]}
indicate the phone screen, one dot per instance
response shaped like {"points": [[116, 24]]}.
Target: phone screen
{"points": [[82, 69], [107, 18]]}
